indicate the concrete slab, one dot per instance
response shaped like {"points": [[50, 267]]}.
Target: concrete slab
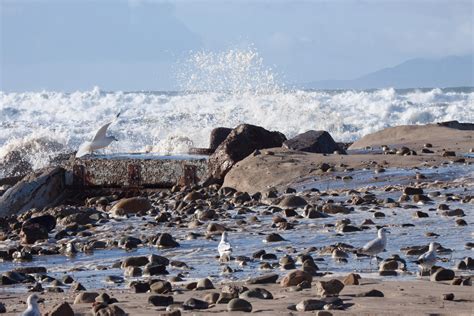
{"points": [[136, 171]]}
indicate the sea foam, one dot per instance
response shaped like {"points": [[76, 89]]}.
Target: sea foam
{"points": [[223, 89]]}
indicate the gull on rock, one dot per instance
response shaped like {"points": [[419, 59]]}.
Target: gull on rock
{"points": [[428, 259], [224, 247], [100, 140], [33, 308]]}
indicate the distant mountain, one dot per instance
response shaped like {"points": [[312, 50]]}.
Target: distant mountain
{"points": [[452, 71]]}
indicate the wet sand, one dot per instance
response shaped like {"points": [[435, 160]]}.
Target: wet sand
{"points": [[419, 297]]}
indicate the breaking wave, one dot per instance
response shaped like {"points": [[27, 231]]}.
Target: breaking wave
{"points": [[219, 90]]}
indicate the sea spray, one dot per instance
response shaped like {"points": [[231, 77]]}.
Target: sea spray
{"points": [[170, 122]]}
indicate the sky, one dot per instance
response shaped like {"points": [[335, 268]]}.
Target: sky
{"points": [[69, 45]]}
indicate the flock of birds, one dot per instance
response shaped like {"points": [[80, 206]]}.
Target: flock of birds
{"points": [[372, 248]]}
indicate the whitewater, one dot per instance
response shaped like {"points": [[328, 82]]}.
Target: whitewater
{"points": [[218, 89]]}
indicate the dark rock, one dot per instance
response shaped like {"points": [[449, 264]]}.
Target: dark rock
{"points": [[442, 275], [218, 135], [264, 279], [239, 305], [313, 141], [133, 272], [156, 269], [274, 237], [76, 287], [61, 309], [36, 288], [448, 297], [165, 240], [259, 293], [30, 270], [412, 191], [31, 232], [312, 213], [293, 201], [240, 143], [47, 221], [456, 212], [156, 259], [3, 310], [140, 287], [67, 279], [421, 198], [371, 293], [134, 261], [160, 300], [194, 303], [420, 214]]}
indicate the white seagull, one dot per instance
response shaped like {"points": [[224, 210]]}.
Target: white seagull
{"points": [[100, 140], [33, 308], [428, 259], [224, 247], [374, 247]]}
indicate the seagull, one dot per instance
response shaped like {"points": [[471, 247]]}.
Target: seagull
{"points": [[33, 308], [99, 141], [428, 259], [373, 247], [224, 247]]}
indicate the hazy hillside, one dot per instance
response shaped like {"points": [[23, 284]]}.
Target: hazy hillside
{"points": [[453, 71]]}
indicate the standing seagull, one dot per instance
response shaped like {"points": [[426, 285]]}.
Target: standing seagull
{"points": [[374, 247], [428, 259], [33, 308], [100, 140], [224, 247]]}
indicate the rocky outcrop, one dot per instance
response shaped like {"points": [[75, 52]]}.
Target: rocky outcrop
{"points": [[37, 190], [241, 142], [218, 135], [312, 141]]}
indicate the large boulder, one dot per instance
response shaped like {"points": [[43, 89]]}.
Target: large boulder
{"points": [[314, 142], [218, 135], [241, 142], [37, 190]]}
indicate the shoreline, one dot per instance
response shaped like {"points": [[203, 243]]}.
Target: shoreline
{"points": [[271, 193]]}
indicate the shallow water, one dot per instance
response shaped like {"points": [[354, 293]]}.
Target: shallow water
{"points": [[200, 254]]}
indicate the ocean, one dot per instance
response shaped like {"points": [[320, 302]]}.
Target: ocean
{"points": [[46, 123]]}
